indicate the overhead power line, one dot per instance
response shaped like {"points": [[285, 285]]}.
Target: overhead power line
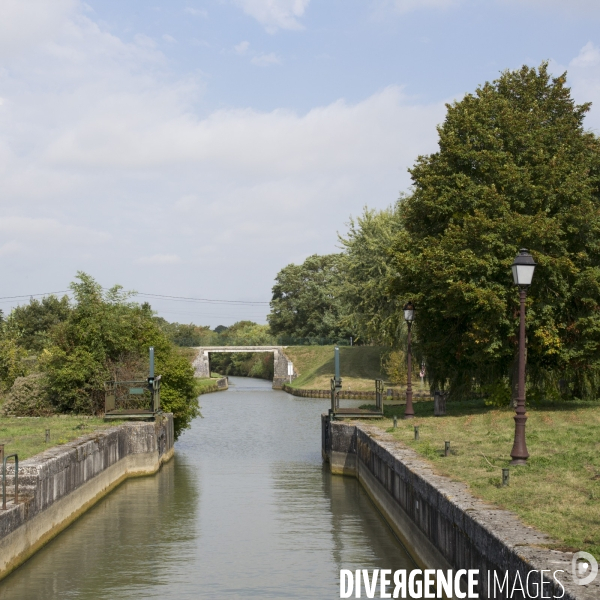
{"points": [[156, 296], [34, 295], [204, 300]]}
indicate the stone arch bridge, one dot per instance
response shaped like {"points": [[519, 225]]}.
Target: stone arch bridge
{"points": [[202, 361]]}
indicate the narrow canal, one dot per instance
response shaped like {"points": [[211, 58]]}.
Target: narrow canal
{"points": [[244, 510]]}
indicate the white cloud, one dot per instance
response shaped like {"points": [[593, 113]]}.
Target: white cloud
{"points": [[144, 41], [105, 166], [586, 8], [50, 235], [275, 14], [27, 22], [139, 135], [47, 229], [159, 259], [241, 48], [404, 6], [265, 60], [186, 202], [197, 12], [8, 248], [572, 8], [583, 75], [169, 38]]}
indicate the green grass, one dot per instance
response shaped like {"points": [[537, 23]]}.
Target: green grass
{"points": [[27, 435], [558, 492], [206, 385], [359, 367]]}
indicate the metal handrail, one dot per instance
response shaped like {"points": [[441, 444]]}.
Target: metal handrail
{"points": [[16, 500]]}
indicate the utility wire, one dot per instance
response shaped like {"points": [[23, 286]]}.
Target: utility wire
{"points": [[208, 300], [148, 295], [34, 295]]}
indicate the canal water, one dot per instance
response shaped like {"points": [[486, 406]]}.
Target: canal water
{"points": [[244, 510]]}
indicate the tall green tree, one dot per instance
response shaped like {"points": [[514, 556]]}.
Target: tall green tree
{"points": [[30, 324], [515, 168], [307, 299], [373, 312]]}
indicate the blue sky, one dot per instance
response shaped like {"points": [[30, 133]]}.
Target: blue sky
{"points": [[195, 148]]}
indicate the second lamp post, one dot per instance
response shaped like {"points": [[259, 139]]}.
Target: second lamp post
{"points": [[409, 315], [522, 268]]}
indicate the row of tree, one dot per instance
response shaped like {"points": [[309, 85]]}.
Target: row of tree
{"points": [[515, 168], [242, 333]]}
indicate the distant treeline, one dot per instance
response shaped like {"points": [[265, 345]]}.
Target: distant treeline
{"points": [[242, 333]]}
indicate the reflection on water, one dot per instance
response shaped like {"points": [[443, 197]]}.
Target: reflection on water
{"points": [[245, 510]]}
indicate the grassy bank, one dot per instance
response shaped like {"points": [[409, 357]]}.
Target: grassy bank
{"points": [[359, 367], [205, 385], [27, 435], [557, 493]]}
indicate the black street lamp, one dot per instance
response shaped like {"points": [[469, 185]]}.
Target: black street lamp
{"points": [[409, 315], [522, 268]]}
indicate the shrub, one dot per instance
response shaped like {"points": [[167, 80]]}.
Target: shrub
{"points": [[28, 397]]}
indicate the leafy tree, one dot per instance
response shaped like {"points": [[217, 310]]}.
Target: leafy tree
{"points": [[186, 335], [515, 168], [101, 330], [246, 333], [12, 363], [306, 301], [31, 323], [374, 313]]}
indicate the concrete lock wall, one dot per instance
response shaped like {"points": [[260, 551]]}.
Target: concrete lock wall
{"points": [[201, 363], [441, 523], [60, 484]]}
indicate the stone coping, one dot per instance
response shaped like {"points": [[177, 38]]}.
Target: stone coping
{"points": [[520, 540]]}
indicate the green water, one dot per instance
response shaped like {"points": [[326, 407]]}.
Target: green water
{"points": [[244, 510]]}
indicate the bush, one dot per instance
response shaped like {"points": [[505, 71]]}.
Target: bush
{"points": [[28, 397], [179, 390], [12, 363], [395, 367]]}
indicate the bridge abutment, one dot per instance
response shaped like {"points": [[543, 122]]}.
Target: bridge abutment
{"points": [[280, 361]]}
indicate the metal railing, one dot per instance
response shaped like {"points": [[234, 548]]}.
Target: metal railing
{"points": [[4, 461], [137, 394]]}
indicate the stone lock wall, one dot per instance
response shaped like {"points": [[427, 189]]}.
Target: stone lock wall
{"points": [[60, 484], [441, 523]]}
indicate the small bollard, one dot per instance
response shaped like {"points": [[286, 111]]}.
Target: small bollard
{"points": [[395, 421], [446, 448], [505, 477], [47, 436], [416, 432]]}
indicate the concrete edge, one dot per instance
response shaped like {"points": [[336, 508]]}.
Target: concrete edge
{"points": [[58, 506], [494, 538]]}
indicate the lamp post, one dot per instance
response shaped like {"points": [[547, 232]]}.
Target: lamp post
{"points": [[409, 315], [522, 268]]}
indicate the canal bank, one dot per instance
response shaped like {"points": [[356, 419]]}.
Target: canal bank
{"points": [[60, 484], [445, 526], [244, 510]]}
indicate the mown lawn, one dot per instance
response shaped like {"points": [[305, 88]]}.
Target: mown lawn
{"points": [[558, 492], [27, 435]]}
